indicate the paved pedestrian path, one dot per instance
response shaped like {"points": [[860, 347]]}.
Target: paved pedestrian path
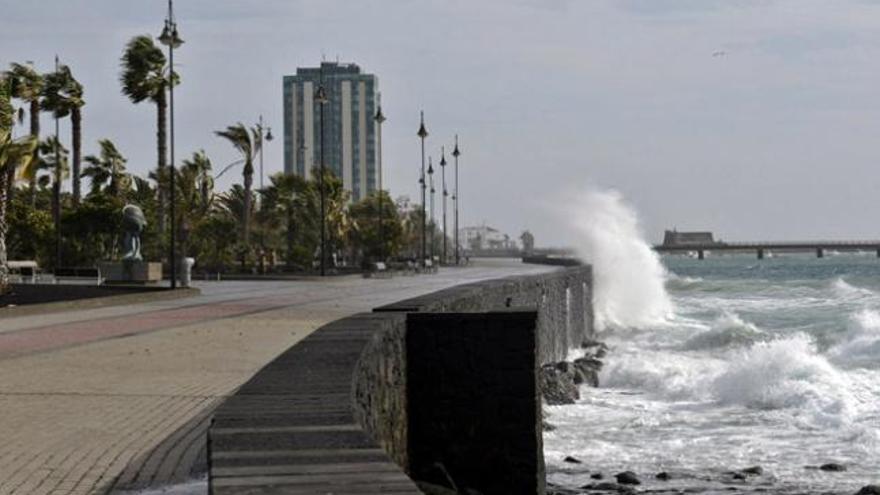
{"points": [[89, 399]]}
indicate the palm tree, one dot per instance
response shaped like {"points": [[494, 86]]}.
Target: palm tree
{"points": [[142, 193], [27, 85], [145, 77], [107, 170], [369, 237], [248, 144], [199, 168], [237, 204], [46, 162], [336, 200], [286, 198], [195, 191], [15, 155], [63, 96]]}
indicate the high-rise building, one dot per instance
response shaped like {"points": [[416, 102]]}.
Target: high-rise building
{"points": [[349, 128]]}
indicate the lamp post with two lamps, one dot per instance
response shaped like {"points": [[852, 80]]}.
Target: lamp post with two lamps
{"points": [[263, 133], [423, 133], [172, 40], [445, 194], [433, 225], [455, 195], [380, 118], [321, 99]]}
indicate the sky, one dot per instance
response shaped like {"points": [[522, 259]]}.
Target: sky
{"points": [[755, 119]]}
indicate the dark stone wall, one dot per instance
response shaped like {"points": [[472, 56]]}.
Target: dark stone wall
{"points": [[563, 299], [379, 388], [474, 412], [448, 379]]}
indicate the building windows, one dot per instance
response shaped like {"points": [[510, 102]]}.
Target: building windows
{"points": [[349, 152]]}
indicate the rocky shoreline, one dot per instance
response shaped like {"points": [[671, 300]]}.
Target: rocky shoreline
{"points": [[560, 385], [560, 382]]}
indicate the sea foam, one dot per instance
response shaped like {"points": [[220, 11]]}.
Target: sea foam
{"points": [[788, 373], [860, 346]]}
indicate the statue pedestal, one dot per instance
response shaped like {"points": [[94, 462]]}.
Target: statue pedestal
{"points": [[130, 272]]}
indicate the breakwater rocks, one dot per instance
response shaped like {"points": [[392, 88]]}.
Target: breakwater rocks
{"points": [[749, 480], [561, 381]]}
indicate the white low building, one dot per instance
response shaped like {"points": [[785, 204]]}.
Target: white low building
{"points": [[485, 238]]}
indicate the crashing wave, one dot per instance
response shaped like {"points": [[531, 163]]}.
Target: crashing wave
{"points": [[729, 330], [629, 278]]}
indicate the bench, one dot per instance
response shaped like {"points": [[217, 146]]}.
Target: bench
{"points": [[79, 274], [430, 267], [380, 270], [377, 270], [23, 271]]}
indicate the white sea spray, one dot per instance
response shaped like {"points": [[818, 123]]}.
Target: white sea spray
{"points": [[628, 276]]}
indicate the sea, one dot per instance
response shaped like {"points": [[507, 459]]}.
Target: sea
{"points": [[723, 364]]}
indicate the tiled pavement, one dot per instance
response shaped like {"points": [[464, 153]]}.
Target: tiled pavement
{"points": [[92, 398]]}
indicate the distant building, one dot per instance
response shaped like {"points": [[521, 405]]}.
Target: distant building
{"points": [[676, 238], [485, 238], [350, 147]]}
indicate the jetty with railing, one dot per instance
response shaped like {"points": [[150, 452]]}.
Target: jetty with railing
{"points": [[690, 242]]}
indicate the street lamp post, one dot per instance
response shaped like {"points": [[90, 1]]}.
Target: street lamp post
{"points": [[423, 133], [455, 196], [56, 189], [445, 194], [262, 133], [321, 99], [431, 180], [380, 118], [170, 38]]}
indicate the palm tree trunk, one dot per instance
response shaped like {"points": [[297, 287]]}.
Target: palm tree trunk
{"points": [[162, 149], [246, 215], [76, 149], [290, 237], [4, 270], [35, 132], [8, 187]]}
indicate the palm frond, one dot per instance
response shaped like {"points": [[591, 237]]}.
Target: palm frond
{"points": [[143, 70]]}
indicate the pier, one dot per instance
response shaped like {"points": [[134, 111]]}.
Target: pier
{"points": [[763, 248]]}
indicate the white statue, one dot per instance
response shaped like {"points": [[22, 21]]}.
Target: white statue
{"points": [[133, 221]]}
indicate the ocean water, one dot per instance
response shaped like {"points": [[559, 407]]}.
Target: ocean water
{"points": [[738, 362]]}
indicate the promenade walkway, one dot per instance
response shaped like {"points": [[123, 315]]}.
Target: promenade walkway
{"points": [[118, 397]]}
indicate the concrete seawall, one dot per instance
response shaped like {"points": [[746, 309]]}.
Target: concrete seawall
{"points": [[442, 389]]}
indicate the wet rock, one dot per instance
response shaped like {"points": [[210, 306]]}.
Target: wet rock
{"points": [[572, 460], [627, 478], [587, 371], [664, 476], [557, 385], [560, 490], [832, 466], [588, 363], [597, 476], [869, 490], [753, 471], [608, 487], [594, 348]]}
